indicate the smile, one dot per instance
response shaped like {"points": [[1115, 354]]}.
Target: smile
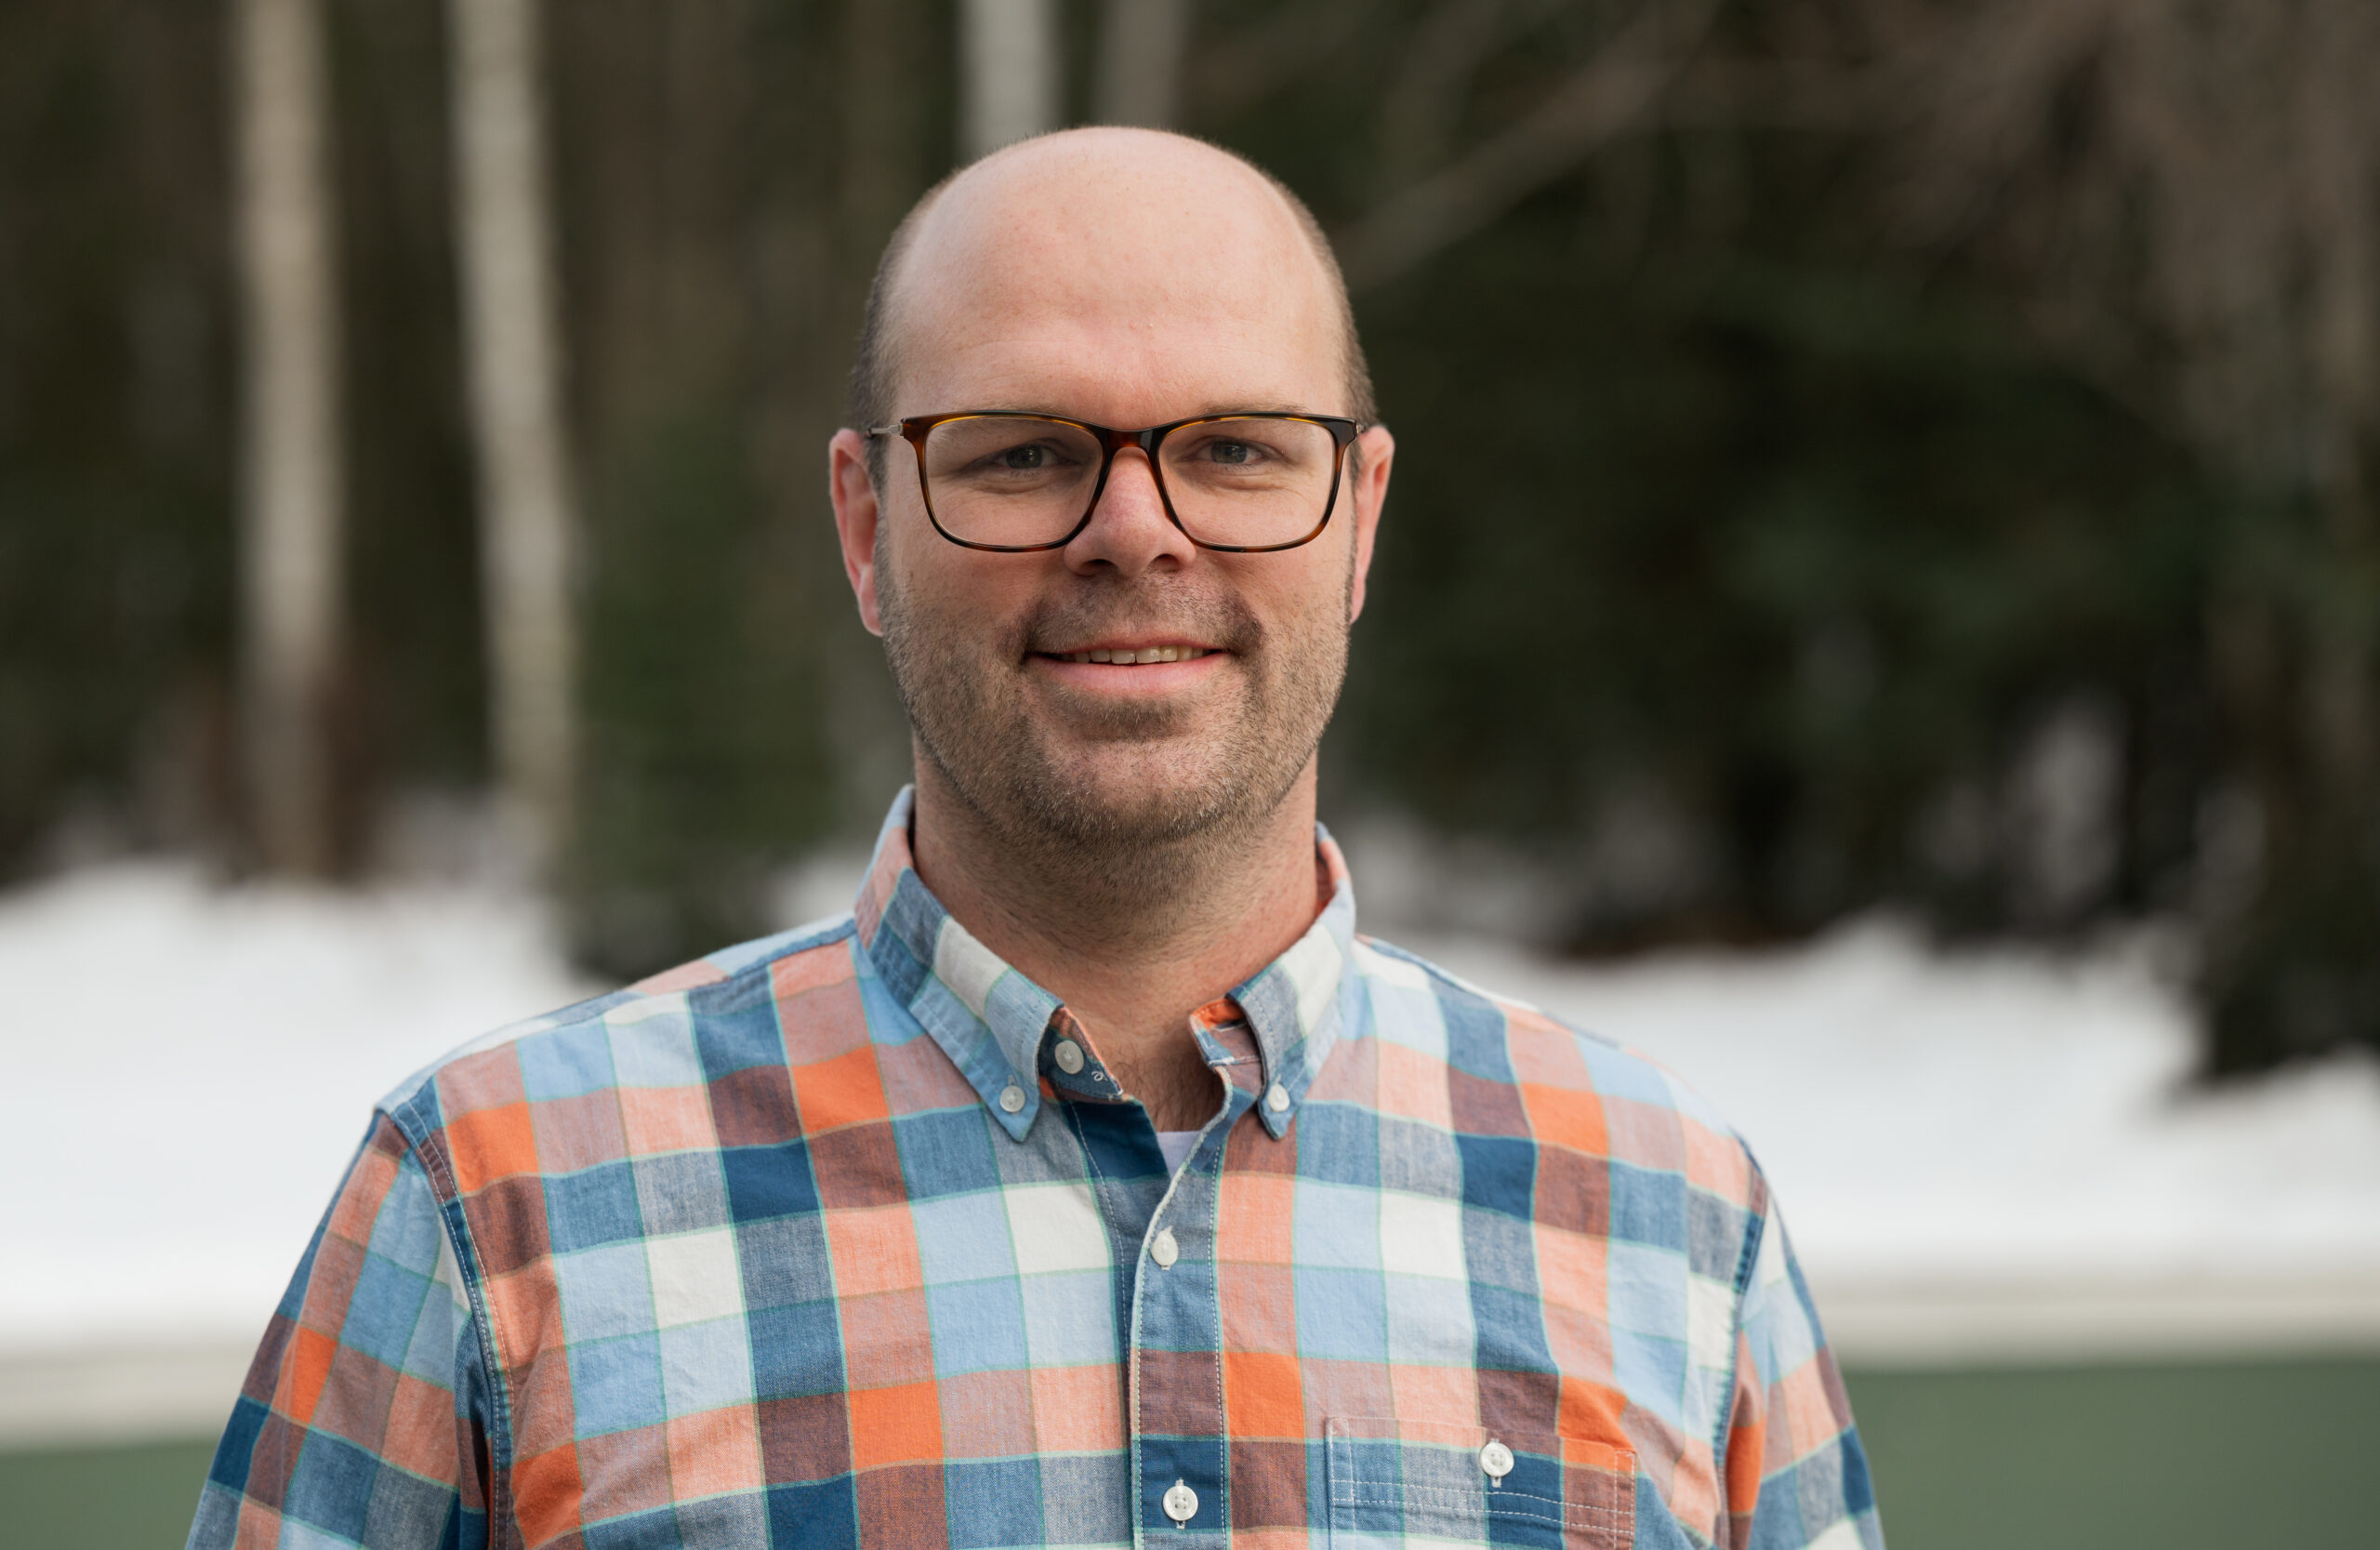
{"points": [[1124, 656]]}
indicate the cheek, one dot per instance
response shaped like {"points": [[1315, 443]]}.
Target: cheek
{"points": [[1307, 599], [951, 593]]}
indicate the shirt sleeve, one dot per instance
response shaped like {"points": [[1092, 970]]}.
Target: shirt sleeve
{"points": [[1795, 1474], [364, 1418]]}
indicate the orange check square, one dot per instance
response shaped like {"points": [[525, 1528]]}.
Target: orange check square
{"points": [[546, 1493], [895, 1426], [1263, 1394], [1591, 1412], [1567, 1119], [845, 1091], [309, 1368], [491, 1144]]}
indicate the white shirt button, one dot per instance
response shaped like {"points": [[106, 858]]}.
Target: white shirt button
{"points": [[1070, 1055], [1276, 1099], [1163, 1249], [1497, 1460], [1012, 1098], [1181, 1503]]}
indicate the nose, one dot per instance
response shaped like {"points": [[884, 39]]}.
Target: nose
{"points": [[1129, 531]]}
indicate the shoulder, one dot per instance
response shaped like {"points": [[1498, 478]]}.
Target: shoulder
{"points": [[502, 1102], [1512, 1069]]}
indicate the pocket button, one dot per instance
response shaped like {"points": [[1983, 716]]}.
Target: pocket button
{"points": [[1497, 1460]]}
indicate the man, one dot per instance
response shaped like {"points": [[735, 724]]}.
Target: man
{"points": [[1093, 1181]]}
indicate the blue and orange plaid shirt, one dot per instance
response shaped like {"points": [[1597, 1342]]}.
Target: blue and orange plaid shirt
{"points": [[848, 1237]]}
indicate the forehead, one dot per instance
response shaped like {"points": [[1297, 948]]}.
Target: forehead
{"points": [[1151, 276]]}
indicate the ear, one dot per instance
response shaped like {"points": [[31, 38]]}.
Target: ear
{"points": [[858, 512], [1378, 450]]}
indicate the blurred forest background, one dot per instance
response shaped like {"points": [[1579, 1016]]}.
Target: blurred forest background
{"points": [[1854, 452]]}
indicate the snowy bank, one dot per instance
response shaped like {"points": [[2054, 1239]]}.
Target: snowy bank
{"points": [[1983, 1156]]}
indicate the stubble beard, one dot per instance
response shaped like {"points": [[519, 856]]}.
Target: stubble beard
{"points": [[1193, 787]]}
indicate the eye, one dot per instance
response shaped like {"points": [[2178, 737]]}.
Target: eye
{"points": [[1230, 452], [1023, 458]]}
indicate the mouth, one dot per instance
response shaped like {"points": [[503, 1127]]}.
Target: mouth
{"points": [[1130, 656]]}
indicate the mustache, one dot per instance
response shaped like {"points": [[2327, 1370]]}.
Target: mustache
{"points": [[1208, 617]]}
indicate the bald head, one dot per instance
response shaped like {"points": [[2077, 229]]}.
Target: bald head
{"points": [[1083, 238]]}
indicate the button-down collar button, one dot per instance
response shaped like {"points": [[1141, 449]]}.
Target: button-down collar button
{"points": [[1276, 1099], [1163, 1249], [1497, 1460], [1012, 1098], [1181, 1503], [1070, 1055]]}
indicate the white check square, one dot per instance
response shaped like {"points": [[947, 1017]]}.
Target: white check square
{"points": [[695, 1277], [1421, 1235], [1055, 1227]]}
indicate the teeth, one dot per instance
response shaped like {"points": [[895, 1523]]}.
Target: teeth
{"points": [[1145, 654]]}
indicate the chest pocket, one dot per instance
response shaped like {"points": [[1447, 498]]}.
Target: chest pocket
{"points": [[1396, 1481]]}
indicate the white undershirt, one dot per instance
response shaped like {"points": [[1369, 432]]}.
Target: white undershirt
{"points": [[1176, 1145]]}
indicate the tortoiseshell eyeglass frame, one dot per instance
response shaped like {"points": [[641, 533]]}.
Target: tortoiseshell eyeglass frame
{"points": [[915, 430]]}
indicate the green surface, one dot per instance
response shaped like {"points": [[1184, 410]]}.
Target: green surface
{"points": [[138, 1497], [2178, 1457]]}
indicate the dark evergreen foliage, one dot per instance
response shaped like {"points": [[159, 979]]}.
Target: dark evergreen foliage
{"points": [[1748, 565]]}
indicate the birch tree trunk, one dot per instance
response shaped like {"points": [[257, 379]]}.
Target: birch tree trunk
{"points": [[291, 520], [1008, 58], [1140, 62], [527, 529]]}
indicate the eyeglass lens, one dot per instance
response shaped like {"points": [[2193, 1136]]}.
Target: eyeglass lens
{"points": [[1016, 482]]}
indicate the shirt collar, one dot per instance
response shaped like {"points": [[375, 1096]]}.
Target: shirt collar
{"points": [[991, 1020]]}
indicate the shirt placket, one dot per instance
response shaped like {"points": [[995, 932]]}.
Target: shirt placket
{"points": [[1180, 1451]]}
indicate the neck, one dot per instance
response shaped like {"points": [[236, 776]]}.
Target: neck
{"points": [[1133, 944]]}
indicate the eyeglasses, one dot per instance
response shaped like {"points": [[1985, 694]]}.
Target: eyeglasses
{"points": [[1244, 484]]}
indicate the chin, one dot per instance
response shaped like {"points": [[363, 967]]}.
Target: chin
{"points": [[1141, 797]]}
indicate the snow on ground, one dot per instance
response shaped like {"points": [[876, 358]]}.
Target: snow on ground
{"points": [[1964, 1144], [1990, 1116], [185, 1072]]}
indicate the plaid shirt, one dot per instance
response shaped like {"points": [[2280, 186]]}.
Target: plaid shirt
{"points": [[847, 1237]]}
